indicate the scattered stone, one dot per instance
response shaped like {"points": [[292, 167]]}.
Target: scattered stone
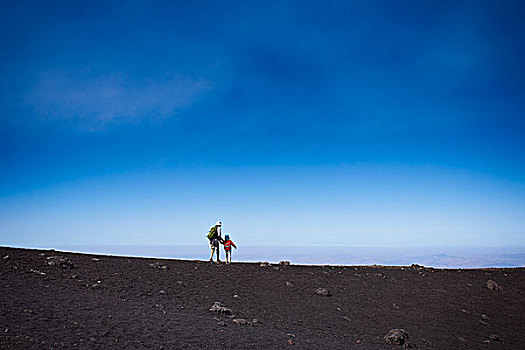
{"points": [[158, 265], [323, 291], [60, 261], [95, 259], [74, 277], [486, 341], [396, 336], [465, 311], [485, 317], [417, 267], [162, 292], [492, 285], [240, 321], [38, 272], [219, 308], [284, 263], [235, 296], [461, 339], [289, 284], [255, 321], [494, 337]]}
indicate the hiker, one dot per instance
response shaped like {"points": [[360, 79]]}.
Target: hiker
{"points": [[215, 237], [228, 248]]}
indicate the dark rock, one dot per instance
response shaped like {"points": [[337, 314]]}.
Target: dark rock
{"points": [[323, 291], [396, 336], [492, 285], [219, 308], [417, 267], [158, 265], [240, 321], [494, 337]]}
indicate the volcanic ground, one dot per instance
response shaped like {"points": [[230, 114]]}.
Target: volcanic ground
{"points": [[58, 300]]}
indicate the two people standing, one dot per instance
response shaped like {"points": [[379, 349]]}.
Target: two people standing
{"points": [[215, 239]]}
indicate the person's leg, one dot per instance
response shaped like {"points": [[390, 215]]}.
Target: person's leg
{"points": [[211, 255], [218, 257]]}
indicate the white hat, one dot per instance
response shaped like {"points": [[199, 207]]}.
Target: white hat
{"points": [[218, 223]]}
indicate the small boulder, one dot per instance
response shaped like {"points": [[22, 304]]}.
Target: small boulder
{"points": [[494, 337], [158, 265], [417, 267], [323, 291], [240, 321], [492, 285], [289, 284], [221, 309], [396, 336]]}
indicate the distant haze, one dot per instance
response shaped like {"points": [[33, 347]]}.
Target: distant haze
{"points": [[439, 257]]}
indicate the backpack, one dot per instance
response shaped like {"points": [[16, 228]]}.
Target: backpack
{"points": [[212, 233]]}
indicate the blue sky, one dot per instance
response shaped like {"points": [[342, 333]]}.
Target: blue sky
{"points": [[293, 122]]}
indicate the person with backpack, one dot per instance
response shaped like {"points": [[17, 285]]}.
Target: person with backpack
{"points": [[215, 238], [228, 248]]}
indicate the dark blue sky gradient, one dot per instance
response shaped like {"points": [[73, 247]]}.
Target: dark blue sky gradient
{"points": [[102, 90]]}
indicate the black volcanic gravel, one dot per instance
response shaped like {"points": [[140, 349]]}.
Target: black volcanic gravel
{"points": [[106, 302]]}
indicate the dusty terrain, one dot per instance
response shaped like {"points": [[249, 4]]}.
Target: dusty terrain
{"points": [[62, 300]]}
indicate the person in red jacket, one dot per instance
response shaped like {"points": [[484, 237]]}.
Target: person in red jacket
{"points": [[228, 244]]}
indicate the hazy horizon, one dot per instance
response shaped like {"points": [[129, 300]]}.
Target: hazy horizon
{"points": [[438, 257]]}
